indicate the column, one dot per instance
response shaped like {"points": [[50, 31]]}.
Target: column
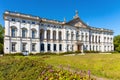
{"points": [[82, 48], [45, 47], [57, 47], [38, 31], [51, 47], [51, 34], [57, 34]]}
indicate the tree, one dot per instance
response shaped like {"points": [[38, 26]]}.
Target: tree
{"points": [[1, 34], [117, 43], [1, 38]]}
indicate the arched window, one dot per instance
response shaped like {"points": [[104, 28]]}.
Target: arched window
{"points": [[77, 35], [67, 35], [72, 35], [54, 35], [82, 37], [42, 47], [60, 35], [13, 31], [96, 39], [72, 47], [48, 35], [24, 32], [42, 34], [33, 33]]}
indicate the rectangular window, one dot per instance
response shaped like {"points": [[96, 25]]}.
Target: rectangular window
{"points": [[33, 47], [23, 21], [48, 47], [13, 47], [33, 22], [54, 47], [13, 19], [60, 47], [24, 47], [13, 31]]}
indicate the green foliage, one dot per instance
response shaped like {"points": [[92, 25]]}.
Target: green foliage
{"points": [[117, 43], [77, 52], [1, 48], [34, 68], [42, 54], [64, 53], [14, 54], [1, 34], [87, 51]]}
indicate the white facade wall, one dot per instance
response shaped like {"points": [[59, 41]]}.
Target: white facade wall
{"points": [[86, 41]]}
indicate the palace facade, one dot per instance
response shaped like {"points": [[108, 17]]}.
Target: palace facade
{"points": [[34, 34]]}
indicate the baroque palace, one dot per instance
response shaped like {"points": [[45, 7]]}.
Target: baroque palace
{"points": [[34, 34]]}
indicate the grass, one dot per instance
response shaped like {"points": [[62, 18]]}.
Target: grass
{"points": [[102, 65], [35, 68]]}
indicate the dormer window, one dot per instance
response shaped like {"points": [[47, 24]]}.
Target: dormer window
{"points": [[48, 25], [42, 24], [23, 21], [13, 19], [33, 22]]}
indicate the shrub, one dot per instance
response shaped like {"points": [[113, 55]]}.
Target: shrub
{"points": [[40, 54], [69, 52], [24, 68], [77, 51], [14, 54], [87, 51]]}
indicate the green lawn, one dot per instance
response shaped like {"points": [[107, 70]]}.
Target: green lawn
{"points": [[102, 65]]}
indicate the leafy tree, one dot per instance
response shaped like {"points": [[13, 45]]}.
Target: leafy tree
{"points": [[1, 34], [1, 48], [1, 38], [117, 43]]}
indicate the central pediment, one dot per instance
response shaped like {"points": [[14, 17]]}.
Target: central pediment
{"points": [[76, 22]]}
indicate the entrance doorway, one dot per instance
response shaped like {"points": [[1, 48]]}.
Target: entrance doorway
{"points": [[79, 47]]}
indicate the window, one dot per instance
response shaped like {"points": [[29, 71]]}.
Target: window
{"points": [[13, 19], [33, 22], [67, 47], [82, 37], [54, 35], [48, 47], [33, 47], [24, 46], [60, 47], [60, 35], [72, 35], [13, 32], [72, 47], [42, 24], [77, 35], [24, 33], [67, 35], [13, 47], [54, 47], [42, 47], [23, 21], [33, 34]]}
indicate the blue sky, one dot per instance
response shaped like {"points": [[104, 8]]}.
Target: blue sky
{"points": [[98, 13]]}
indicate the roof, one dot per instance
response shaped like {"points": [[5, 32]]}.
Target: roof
{"points": [[77, 22]]}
